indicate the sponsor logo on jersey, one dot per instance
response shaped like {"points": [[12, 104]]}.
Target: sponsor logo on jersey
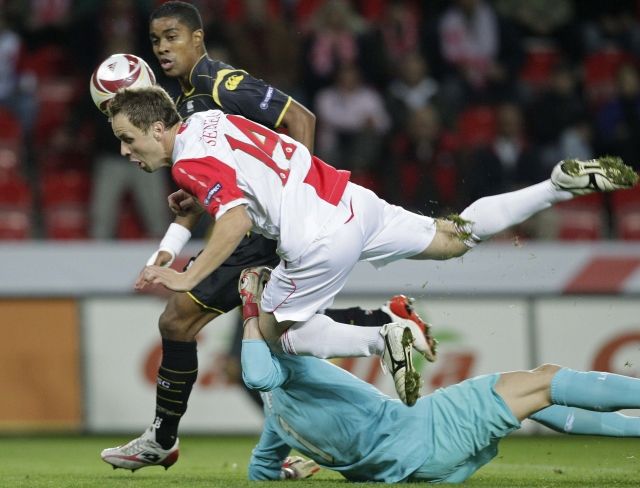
{"points": [[233, 81], [264, 104], [190, 107], [211, 193]]}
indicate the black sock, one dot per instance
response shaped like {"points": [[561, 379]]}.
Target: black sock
{"points": [[358, 316], [176, 376]]}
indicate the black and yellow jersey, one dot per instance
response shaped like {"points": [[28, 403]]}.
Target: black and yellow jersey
{"points": [[216, 85]]}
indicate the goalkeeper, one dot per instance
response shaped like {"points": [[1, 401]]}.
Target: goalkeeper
{"points": [[347, 425]]}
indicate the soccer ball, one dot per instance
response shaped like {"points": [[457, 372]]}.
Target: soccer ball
{"points": [[115, 72]]}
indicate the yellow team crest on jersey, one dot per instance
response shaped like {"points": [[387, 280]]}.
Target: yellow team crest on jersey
{"points": [[233, 81]]}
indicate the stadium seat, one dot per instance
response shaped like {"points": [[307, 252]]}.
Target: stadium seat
{"points": [[65, 197], [47, 62], [10, 129], [9, 163], [15, 208], [626, 213], [66, 222], [15, 224], [540, 60], [15, 192], [10, 146], [55, 98], [476, 126], [582, 218], [600, 70], [368, 179], [129, 223], [65, 187]]}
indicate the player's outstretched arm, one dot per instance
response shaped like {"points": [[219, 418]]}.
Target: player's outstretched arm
{"points": [[188, 212], [227, 233]]}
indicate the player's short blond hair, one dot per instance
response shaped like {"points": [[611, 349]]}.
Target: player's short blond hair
{"points": [[144, 106]]}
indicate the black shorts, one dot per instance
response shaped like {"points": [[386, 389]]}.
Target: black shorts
{"points": [[219, 291]]}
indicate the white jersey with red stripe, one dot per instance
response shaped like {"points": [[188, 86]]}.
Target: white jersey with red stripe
{"points": [[226, 160]]}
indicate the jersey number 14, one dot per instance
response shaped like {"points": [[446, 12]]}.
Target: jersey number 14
{"points": [[264, 143]]}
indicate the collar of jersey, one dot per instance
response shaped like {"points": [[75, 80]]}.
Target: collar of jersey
{"points": [[189, 92]]}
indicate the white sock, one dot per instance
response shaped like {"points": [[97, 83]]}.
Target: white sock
{"points": [[491, 215], [322, 337]]}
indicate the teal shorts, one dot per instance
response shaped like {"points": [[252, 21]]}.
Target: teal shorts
{"points": [[468, 420]]}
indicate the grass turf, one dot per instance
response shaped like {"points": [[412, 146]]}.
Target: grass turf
{"points": [[71, 462]]}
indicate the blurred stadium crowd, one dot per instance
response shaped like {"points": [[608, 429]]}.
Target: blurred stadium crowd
{"points": [[430, 103]]}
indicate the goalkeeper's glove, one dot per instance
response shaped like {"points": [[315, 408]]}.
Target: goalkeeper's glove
{"points": [[297, 468]]}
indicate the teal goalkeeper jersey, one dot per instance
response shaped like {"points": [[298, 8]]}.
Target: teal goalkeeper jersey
{"points": [[332, 417]]}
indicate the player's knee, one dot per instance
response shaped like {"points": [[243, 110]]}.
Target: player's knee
{"points": [[177, 323], [545, 373], [170, 325], [448, 242], [547, 369]]}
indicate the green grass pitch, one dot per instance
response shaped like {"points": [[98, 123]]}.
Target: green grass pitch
{"points": [[60, 462]]}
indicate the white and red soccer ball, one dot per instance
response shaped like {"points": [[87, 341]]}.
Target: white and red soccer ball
{"points": [[115, 72]]}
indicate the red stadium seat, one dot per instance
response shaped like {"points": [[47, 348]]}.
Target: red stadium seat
{"points": [[55, 98], [66, 222], [15, 224], [15, 208], [582, 218], [129, 223], [15, 192], [477, 126], [47, 62], [65, 198], [626, 213], [9, 163], [10, 130], [600, 70], [368, 179], [539, 63], [65, 187]]}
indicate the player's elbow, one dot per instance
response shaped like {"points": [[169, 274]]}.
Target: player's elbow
{"points": [[243, 219], [259, 380]]}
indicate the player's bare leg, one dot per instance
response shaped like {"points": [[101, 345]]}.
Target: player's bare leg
{"points": [[526, 392], [488, 216]]}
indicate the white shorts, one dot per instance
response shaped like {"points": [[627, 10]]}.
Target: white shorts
{"points": [[372, 230]]}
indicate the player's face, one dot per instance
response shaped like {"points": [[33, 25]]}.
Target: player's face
{"points": [[144, 149], [176, 47]]}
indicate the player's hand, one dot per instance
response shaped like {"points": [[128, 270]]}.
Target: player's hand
{"points": [[182, 204], [164, 258], [297, 468], [168, 277], [160, 258]]}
